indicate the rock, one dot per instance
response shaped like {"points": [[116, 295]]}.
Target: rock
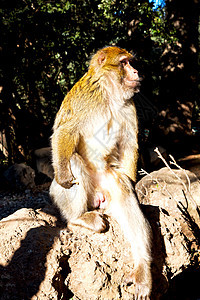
{"points": [[20, 176], [41, 259], [43, 161], [26, 238], [192, 163], [174, 196], [173, 190]]}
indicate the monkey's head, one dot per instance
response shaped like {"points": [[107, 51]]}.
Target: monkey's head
{"points": [[114, 65]]}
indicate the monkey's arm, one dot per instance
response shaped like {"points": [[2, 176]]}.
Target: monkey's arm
{"points": [[129, 163], [128, 146], [63, 146]]}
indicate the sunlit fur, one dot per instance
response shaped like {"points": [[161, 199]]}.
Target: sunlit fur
{"points": [[95, 150]]}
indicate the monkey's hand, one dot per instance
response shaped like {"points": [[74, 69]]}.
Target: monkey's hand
{"points": [[65, 178]]}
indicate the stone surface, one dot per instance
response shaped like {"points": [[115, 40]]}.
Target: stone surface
{"points": [[20, 176], [41, 259], [43, 161]]}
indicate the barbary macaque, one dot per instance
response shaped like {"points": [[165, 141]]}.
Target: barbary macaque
{"points": [[95, 150]]}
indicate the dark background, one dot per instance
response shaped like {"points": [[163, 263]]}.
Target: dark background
{"points": [[45, 49]]}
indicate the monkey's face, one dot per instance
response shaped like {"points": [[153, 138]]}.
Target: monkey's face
{"points": [[130, 75]]}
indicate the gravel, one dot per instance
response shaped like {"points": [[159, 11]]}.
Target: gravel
{"points": [[11, 201]]}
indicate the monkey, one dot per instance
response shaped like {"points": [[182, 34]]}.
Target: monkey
{"points": [[95, 153]]}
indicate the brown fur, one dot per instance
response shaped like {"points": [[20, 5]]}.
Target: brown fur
{"points": [[95, 156]]}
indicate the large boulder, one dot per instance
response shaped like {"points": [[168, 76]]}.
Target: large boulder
{"points": [[41, 259], [20, 176], [44, 161]]}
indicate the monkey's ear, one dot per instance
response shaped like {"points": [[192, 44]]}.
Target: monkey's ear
{"points": [[101, 58]]}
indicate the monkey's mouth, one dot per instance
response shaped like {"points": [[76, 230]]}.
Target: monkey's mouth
{"points": [[133, 83]]}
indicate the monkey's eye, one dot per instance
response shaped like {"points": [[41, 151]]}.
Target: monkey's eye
{"points": [[124, 62]]}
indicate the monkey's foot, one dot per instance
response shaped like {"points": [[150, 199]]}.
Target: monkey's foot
{"points": [[142, 292], [142, 282], [92, 220]]}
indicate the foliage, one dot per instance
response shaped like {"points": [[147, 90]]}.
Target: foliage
{"points": [[46, 48]]}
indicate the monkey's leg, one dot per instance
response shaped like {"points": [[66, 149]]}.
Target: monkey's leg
{"points": [[73, 207], [125, 209], [75, 202]]}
